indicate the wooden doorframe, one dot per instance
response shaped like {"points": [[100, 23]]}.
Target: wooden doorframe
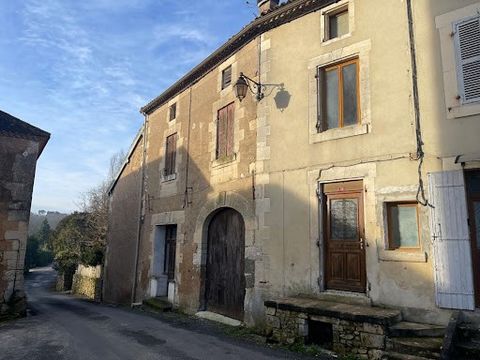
{"points": [[342, 190], [471, 198]]}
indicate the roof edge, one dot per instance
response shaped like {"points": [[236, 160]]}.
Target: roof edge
{"points": [[283, 14]]}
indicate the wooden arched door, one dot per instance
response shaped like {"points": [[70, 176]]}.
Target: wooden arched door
{"points": [[225, 278]]}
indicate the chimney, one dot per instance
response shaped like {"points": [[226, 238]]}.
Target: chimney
{"points": [[265, 6]]}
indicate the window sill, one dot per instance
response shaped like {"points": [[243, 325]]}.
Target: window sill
{"points": [[225, 161], [417, 256], [334, 40], [339, 133], [463, 110], [167, 178]]}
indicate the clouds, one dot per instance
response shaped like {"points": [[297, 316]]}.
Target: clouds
{"points": [[82, 69]]}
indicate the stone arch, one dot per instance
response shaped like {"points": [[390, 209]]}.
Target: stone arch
{"points": [[213, 205]]}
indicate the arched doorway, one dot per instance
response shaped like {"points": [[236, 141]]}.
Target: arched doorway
{"points": [[225, 278]]}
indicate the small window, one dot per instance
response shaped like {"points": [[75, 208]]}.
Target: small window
{"points": [[336, 23], [225, 132], [338, 100], [403, 225], [172, 112], [170, 155], [467, 41], [226, 77]]}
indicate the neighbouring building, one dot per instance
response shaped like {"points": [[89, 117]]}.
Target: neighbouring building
{"points": [[20, 146], [354, 175]]}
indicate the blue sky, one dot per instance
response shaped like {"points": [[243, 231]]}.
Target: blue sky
{"points": [[82, 69]]}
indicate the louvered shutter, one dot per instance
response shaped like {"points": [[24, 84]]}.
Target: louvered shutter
{"points": [[451, 241], [221, 133], [230, 128], [467, 41], [170, 154]]}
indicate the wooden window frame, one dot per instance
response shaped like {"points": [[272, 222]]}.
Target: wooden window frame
{"points": [[329, 15], [227, 153], [321, 86], [170, 156], [172, 112], [226, 81], [389, 243]]}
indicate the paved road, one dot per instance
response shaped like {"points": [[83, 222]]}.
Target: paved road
{"points": [[63, 327]]}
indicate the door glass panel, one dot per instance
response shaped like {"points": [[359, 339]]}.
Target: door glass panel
{"points": [[350, 94], [344, 219], [473, 181], [331, 79], [476, 214]]}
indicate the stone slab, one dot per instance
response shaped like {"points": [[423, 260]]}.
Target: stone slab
{"points": [[357, 313], [208, 315]]}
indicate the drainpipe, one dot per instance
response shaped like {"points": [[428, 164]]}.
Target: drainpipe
{"points": [[141, 216], [419, 155]]}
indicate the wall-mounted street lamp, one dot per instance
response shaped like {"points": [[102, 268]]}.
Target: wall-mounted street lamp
{"points": [[244, 83]]}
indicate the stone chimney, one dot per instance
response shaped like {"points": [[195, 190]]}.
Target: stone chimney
{"points": [[265, 6]]}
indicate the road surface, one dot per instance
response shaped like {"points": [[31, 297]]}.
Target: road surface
{"points": [[63, 327]]}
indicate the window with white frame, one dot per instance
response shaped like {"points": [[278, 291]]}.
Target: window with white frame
{"points": [[467, 48]]}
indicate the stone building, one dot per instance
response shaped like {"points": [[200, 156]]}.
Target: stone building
{"points": [[351, 177], [20, 146]]}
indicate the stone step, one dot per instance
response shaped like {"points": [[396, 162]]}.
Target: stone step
{"points": [[469, 330], [421, 347], [391, 355], [468, 349], [412, 329], [158, 304]]}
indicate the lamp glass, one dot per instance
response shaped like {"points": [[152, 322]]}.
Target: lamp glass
{"points": [[241, 88]]}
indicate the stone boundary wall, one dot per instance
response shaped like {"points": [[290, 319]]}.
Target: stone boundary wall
{"points": [[87, 281], [365, 340]]}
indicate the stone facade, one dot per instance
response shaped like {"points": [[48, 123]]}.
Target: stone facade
{"points": [[282, 162], [20, 147]]}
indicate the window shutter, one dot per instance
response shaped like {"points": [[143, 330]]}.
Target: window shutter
{"points": [[221, 133], [170, 154], [230, 128], [451, 241], [320, 100], [467, 41]]}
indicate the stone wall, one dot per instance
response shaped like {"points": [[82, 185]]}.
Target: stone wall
{"points": [[17, 171], [87, 281], [365, 340]]}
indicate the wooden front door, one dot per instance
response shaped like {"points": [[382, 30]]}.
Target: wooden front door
{"points": [[473, 198], [225, 278], [345, 252]]}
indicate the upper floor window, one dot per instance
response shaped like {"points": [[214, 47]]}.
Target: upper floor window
{"points": [[225, 124], [226, 77], [337, 23], [467, 43], [172, 112], [170, 155], [338, 96]]}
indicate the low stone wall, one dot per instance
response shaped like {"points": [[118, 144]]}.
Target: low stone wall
{"points": [[365, 340], [87, 281]]}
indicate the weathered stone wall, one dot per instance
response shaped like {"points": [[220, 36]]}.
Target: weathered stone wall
{"points": [[17, 171], [364, 339], [87, 281], [123, 220]]}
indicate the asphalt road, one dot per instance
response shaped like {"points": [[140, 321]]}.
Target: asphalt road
{"points": [[63, 327]]}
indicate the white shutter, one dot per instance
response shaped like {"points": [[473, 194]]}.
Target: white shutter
{"points": [[467, 42], [451, 241]]}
